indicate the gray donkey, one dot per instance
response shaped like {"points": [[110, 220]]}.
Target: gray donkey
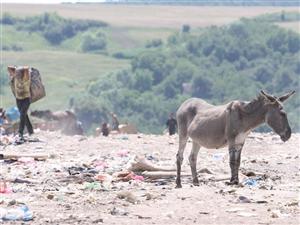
{"points": [[212, 126]]}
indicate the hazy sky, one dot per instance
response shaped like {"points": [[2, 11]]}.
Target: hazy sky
{"points": [[46, 1]]}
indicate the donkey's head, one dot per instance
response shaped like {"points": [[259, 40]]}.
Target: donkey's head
{"points": [[276, 117]]}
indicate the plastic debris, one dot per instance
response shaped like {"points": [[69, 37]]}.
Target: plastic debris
{"points": [[123, 153], [21, 213], [250, 182], [218, 156], [4, 188]]}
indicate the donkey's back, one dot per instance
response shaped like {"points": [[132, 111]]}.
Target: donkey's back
{"points": [[203, 122]]}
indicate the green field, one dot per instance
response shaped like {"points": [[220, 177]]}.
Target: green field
{"points": [[64, 73]]}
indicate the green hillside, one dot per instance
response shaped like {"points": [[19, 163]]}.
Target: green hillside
{"points": [[142, 74], [66, 67], [218, 64]]}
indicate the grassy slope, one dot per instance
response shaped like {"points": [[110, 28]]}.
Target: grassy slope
{"points": [[64, 73]]}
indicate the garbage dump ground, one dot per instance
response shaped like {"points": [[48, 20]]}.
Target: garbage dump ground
{"points": [[128, 179]]}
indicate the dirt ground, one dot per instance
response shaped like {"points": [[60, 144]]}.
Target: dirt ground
{"points": [[60, 191]]}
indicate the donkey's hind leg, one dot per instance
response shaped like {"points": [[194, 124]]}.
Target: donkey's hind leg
{"points": [[193, 162], [182, 143]]}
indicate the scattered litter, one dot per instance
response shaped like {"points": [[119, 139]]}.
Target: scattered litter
{"points": [[20, 213], [250, 182], [123, 153], [92, 186], [218, 156], [4, 188], [234, 210], [246, 214]]}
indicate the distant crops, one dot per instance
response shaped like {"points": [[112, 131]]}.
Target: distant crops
{"points": [[153, 16]]}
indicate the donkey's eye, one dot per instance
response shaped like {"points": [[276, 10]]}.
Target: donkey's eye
{"points": [[283, 113]]}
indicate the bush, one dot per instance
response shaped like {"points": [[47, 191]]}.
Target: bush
{"points": [[186, 28], [54, 35], [93, 42], [53, 27], [154, 43], [8, 19]]}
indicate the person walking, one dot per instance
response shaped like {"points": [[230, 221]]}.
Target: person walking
{"points": [[20, 82], [115, 122], [171, 124]]}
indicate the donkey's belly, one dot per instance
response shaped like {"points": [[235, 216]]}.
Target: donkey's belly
{"points": [[211, 143]]}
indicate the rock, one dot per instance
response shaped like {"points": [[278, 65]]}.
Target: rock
{"points": [[50, 196], [149, 196], [144, 217], [205, 170], [12, 202], [261, 201], [128, 196], [243, 199], [170, 214], [118, 212], [98, 221], [250, 174], [294, 203]]}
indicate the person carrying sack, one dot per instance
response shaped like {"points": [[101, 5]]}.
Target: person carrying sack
{"points": [[20, 84]]}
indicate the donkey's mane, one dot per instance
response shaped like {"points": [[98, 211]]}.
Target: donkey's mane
{"points": [[255, 104]]}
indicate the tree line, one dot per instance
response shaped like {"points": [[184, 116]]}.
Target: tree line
{"points": [[219, 64]]}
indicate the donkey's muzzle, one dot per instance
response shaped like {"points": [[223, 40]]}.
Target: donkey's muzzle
{"points": [[286, 136]]}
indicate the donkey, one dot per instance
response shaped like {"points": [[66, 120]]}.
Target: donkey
{"points": [[66, 121], [212, 126]]}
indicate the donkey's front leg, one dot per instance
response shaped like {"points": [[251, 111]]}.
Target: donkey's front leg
{"points": [[234, 162]]}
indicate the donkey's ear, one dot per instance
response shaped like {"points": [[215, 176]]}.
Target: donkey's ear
{"points": [[267, 96], [11, 70], [286, 96]]}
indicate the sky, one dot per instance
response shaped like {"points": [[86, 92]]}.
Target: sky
{"points": [[46, 1]]}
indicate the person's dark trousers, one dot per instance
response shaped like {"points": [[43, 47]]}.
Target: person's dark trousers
{"points": [[172, 131], [23, 106]]}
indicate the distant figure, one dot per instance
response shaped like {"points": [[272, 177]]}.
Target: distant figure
{"points": [[104, 129], [115, 122], [171, 124], [20, 81]]}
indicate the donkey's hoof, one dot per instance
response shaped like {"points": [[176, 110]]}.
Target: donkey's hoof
{"points": [[196, 182], [232, 182], [178, 186]]}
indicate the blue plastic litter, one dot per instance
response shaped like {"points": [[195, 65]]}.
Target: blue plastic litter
{"points": [[21, 213], [13, 113], [250, 182]]}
